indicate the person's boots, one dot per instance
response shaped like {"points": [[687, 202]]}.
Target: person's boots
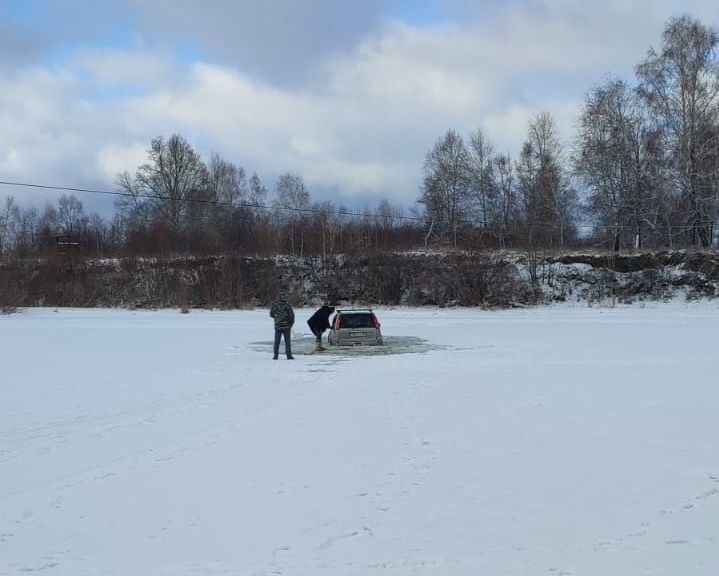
{"points": [[318, 346]]}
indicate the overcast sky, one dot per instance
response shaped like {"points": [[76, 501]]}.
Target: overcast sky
{"points": [[348, 94]]}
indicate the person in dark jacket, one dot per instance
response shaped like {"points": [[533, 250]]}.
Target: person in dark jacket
{"points": [[284, 318], [318, 323]]}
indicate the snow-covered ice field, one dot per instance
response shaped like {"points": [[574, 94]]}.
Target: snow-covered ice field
{"points": [[556, 441]]}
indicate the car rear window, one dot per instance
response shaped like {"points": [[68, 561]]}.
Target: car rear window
{"points": [[356, 320]]}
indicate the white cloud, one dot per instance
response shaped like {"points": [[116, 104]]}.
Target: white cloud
{"points": [[114, 159], [363, 125], [128, 67]]}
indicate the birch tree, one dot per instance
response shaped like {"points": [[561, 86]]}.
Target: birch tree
{"points": [[680, 83]]}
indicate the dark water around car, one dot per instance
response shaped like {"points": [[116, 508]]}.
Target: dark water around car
{"points": [[305, 345]]}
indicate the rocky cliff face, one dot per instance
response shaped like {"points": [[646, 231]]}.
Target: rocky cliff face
{"points": [[489, 279]]}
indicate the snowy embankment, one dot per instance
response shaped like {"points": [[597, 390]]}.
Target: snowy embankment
{"points": [[491, 279], [560, 440]]}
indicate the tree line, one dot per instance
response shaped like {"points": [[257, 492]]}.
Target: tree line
{"points": [[176, 203], [642, 171]]}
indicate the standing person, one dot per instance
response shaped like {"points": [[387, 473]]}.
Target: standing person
{"points": [[284, 318], [318, 323]]}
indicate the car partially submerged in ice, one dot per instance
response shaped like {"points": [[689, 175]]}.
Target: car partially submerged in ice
{"points": [[355, 327]]}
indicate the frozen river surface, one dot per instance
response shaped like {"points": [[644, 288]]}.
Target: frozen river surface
{"points": [[558, 440]]}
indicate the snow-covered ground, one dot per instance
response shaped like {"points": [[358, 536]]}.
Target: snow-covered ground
{"points": [[561, 440]]}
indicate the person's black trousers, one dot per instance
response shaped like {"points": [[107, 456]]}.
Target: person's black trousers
{"points": [[287, 333]]}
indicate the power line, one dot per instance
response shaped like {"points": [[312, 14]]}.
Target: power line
{"points": [[316, 210], [210, 201]]}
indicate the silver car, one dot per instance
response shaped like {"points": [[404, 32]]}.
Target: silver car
{"points": [[355, 327]]}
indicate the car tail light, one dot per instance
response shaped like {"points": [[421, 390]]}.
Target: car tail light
{"points": [[338, 321], [374, 319]]}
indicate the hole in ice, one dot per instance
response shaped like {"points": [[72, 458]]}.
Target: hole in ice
{"points": [[305, 345]]}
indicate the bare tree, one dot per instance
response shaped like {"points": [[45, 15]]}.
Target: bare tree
{"points": [[226, 182], [70, 213], [169, 183], [227, 189], [292, 193], [547, 200], [9, 216], [28, 224], [293, 198], [506, 197], [386, 214], [258, 192], [681, 84], [618, 159], [446, 186], [482, 186], [48, 223]]}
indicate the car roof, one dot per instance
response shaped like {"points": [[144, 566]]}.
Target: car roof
{"points": [[355, 311]]}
